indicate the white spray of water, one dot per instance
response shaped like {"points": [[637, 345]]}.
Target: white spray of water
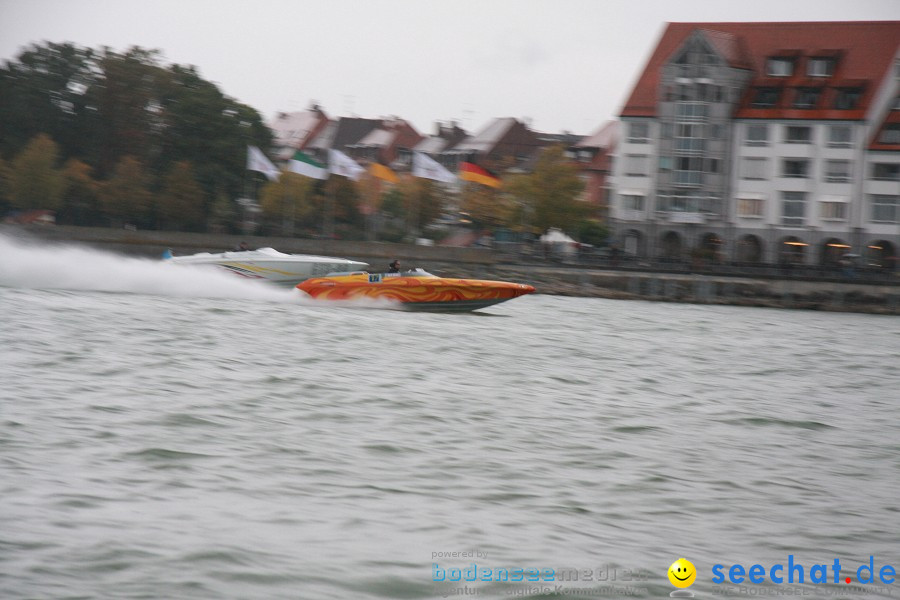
{"points": [[28, 264]]}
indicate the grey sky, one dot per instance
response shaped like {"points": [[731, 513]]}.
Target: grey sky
{"points": [[565, 64]]}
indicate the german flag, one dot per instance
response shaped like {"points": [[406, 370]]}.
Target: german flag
{"points": [[382, 172], [472, 172]]}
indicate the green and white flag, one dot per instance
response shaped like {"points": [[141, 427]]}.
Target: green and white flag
{"points": [[307, 166]]}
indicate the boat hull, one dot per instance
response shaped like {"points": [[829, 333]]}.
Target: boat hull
{"points": [[270, 265], [414, 292]]}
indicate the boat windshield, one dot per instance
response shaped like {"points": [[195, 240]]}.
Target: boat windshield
{"points": [[417, 272]]}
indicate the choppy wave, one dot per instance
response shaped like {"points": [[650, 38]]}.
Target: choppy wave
{"points": [[179, 444]]}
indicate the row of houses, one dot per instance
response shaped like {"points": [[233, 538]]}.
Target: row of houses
{"points": [[503, 145], [746, 142]]}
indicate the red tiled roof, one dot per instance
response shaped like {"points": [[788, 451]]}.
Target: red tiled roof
{"points": [[864, 50]]}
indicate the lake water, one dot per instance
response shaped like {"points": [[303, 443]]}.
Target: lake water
{"points": [[170, 433]]}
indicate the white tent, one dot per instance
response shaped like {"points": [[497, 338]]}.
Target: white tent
{"points": [[559, 241]]}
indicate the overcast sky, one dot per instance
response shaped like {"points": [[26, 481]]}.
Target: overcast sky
{"points": [[563, 64]]}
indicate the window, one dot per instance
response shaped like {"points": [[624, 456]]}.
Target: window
{"points": [[689, 137], [665, 163], [636, 165], [886, 171], [837, 171], [753, 167], [639, 132], [795, 167], [750, 207], [798, 135], [765, 97], [847, 98], [688, 170], [757, 135], [820, 67], [890, 134], [691, 111], [833, 211], [632, 202], [840, 136], [780, 67], [666, 133], [885, 208], [806, 97], [793, 208]]}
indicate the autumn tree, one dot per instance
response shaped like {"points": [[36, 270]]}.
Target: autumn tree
{"points": [[550, 193], [4, 186], [288, 201], [487, 206], [80, 202], [35, 182], [180, 202], [422, 203], [126, 197]]}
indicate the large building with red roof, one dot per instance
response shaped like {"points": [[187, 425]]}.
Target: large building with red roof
{"points": [[763, 142]]}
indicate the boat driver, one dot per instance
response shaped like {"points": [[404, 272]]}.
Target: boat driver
{"points": [[394, 267]]}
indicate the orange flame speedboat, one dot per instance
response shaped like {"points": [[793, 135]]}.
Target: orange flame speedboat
{"points": [[417, 290]]}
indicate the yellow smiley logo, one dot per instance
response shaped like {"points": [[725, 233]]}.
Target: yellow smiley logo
{"points": [[682, 573]]}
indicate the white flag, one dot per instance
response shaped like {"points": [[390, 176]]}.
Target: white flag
{"points": [[427, 168], [341, 164], [257, 161]]}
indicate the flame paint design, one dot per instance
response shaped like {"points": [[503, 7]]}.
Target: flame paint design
{"points": [[420, 291]]}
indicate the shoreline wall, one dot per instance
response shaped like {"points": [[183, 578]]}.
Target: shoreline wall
{"points": [[489, 264]]}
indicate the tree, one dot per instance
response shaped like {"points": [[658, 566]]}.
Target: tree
{"points": [[421, 202], [125, 197], [4, 186], [180, 202], [287, 201], [487, 206], [551, 192], [35, 183], [80, 204]]}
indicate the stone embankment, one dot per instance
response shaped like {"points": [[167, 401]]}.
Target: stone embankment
{"points": [[566, 280]]}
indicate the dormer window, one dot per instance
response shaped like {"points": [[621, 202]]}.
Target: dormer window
{"points": [[820, 67], [806, 97], [765, 98], [780, 67], [847, 98]]}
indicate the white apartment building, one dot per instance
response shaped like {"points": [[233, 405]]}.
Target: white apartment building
{"points": [[763, 142]]}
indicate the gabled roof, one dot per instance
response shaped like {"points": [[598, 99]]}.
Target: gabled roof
{"points": [[865, 52], [344, 132], [891, 120], [485, 140], [293, 130], [605, 136]]}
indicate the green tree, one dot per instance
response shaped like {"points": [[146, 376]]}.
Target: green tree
{"points": [[126, 197], [50, 89], [550, 194], [35, 182], [80, 204], [287, 201], [180, 202]]}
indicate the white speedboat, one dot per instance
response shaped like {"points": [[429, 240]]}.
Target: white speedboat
{"points": [[271, 265]]}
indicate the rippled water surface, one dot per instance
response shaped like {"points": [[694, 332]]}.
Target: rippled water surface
{"points": [[176, 440]]}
